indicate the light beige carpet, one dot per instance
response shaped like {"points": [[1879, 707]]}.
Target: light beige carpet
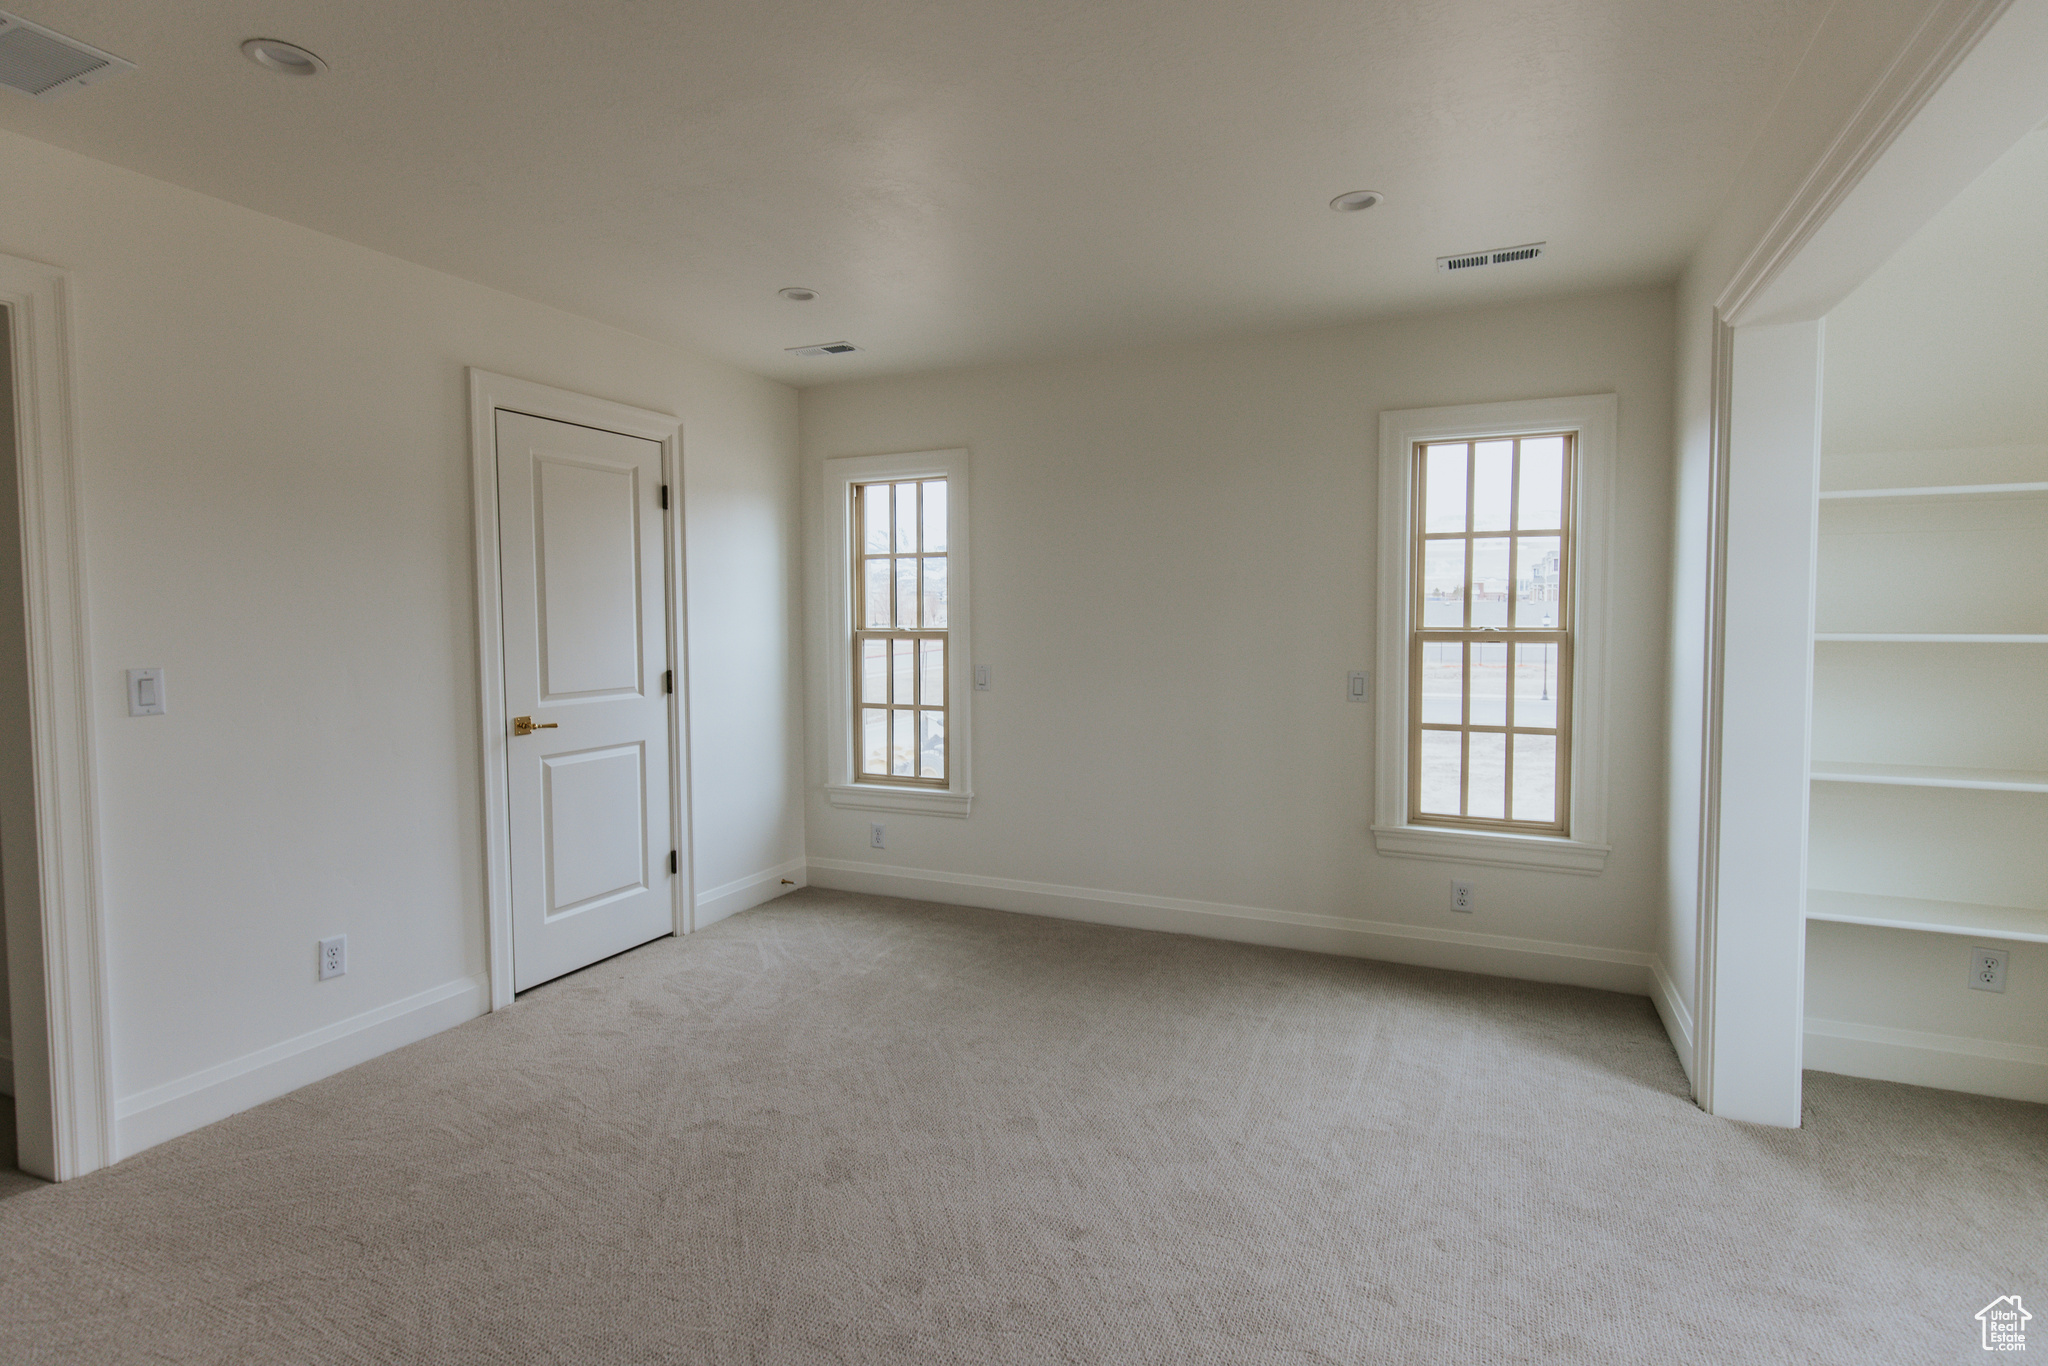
{"points": [[842, 1129]]}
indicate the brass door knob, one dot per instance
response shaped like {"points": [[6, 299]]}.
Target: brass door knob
{"points": [[523, 725]]}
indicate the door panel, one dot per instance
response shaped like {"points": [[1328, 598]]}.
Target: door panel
{"points": [[588, 561], [595, 818], [583, 566]]}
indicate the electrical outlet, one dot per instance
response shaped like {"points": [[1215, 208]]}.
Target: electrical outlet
{"points": [[1462, 896], [875, 835], [1987, 969], [333, 956]]}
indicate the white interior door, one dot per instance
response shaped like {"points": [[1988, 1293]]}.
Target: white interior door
{"points": [[582, 574]]}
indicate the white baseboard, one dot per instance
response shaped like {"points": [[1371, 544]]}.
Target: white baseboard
{"points": [[6, 1066], [150, 1117], [1983, 1067], [743, 894], [1537, 960], [1671, 1009]]}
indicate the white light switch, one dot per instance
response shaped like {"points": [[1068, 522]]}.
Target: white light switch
{"points": [[146, 692], [1358, 686], [981, 678]]}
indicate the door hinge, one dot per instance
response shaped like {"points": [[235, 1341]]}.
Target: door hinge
{"points": [[664, 496], [674, 863], [668, 680]]}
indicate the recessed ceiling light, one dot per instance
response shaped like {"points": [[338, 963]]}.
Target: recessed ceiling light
{"points": [[801, 294], [1354, 200], [287, 59]]}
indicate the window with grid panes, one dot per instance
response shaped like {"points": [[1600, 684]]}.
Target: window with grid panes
{"points": [[900, 640], [1490, 665]]}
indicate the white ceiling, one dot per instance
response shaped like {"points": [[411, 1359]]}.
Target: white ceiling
{"points": [[965, 181]]}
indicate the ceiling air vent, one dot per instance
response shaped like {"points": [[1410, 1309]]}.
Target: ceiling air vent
{"points": [[822, 349], [38, 62], [1499, 256]]}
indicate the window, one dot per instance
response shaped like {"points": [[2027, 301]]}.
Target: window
{"points": [[899, 630], [1490, 658], [897, 527], [1492, 563]]}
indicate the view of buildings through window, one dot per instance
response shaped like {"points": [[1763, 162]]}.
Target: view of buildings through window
{"points": [[1491, 663], [900, 639]]}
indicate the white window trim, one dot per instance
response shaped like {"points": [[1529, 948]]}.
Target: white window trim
{"points": [[1593, 417], [842, 787]]}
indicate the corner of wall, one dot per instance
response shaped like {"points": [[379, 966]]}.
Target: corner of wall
{"points": [[744, 893], [1672, 1010], [192, 1102]]}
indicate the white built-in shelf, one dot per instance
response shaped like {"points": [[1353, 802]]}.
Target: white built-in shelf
{"points": [[1926, 638], [1938, 491], [1926, 775], [1938, 917]]}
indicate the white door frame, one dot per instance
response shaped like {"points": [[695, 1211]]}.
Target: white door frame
{"points": [[1961, 91], [488, 393], [64, 1081]]}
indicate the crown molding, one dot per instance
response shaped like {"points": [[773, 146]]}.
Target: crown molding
{"points": [[1949, 33]]}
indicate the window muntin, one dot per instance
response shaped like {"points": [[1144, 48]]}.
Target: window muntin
{"points": [[901, 642], [1490, 658]]}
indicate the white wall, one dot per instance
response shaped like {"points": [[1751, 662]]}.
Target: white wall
{"points": [[1174, 568], [1773, 465], [272, 435], [13, 611], [1853, 47]]}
